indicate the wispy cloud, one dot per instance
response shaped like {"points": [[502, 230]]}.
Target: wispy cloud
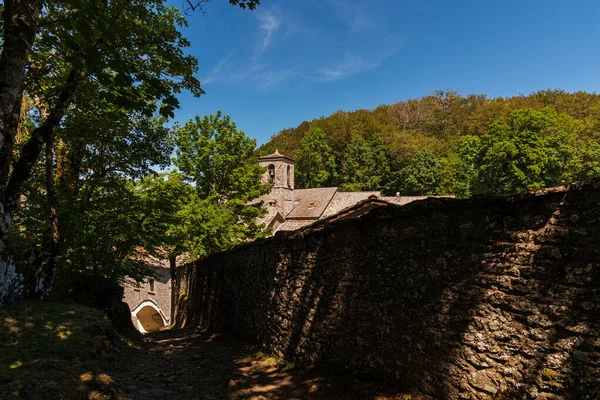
{"points": [[270, 23], [352, 64], [313, 52], [215, 71], [355, 15]]}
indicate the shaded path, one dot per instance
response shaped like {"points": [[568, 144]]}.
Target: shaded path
{"points": [[193, 364]]}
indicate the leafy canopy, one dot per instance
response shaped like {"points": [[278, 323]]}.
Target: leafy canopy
{"points": [[315, 165], [214, 155], [527, 151]]}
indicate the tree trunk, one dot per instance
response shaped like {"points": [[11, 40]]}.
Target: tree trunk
{"points": [[49, 269], [6, 150], [33, 147], [20, 26]]}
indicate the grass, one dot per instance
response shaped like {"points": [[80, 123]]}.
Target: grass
{"points": [[57, 350], [275, 361]]}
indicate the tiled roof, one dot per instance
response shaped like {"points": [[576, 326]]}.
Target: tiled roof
{"points": [[343, 200], [270, 216], [310, 203], [293, 224]]}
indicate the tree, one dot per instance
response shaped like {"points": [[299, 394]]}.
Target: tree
{"points": [[365, 165], [214, 155], [467, 169], [585, 164], [315, 165], [72, 56], [528, 151], [164, 196], [420, 177]]}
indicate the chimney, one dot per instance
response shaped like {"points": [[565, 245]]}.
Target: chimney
{"points": [[397, 194]]}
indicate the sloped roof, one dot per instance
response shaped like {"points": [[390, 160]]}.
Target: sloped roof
{"points": [[355, 211], [343, 200], [294, 224], [274, 156], [310, 203]]}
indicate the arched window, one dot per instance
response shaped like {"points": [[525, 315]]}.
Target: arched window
{"points": [[271, 171], [289, 176]]}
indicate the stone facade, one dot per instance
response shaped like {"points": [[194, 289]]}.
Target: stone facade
{"points": [[150, 301], [461, 299]]}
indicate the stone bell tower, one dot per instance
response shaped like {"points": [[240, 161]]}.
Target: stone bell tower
{"points": [[280, 174]]}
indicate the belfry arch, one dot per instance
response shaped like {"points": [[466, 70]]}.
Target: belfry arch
{"points": [[149, 316]]}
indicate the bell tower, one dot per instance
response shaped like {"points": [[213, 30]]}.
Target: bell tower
{"points": [[280, 174], [280, 170]]}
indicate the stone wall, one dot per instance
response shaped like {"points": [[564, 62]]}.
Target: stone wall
{"points": [[458, 298]]}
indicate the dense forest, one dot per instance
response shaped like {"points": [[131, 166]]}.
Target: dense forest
{"points": [[449, 144]]}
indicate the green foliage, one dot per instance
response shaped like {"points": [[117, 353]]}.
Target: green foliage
{"points": [[467, 170], [585, 164], [164, 196], [420, 177], [528, 151], [115, 46], [549, 375], [459, 131], [214, 155], [315, 165], [365, 165]]}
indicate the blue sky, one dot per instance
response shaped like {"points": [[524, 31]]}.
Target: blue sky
{"points": [[293, 60]]}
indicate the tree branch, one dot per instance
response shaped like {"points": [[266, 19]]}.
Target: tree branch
{"points": [[33, 147]]}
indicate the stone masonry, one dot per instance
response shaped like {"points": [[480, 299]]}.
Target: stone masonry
{"points": [[462, 299]]}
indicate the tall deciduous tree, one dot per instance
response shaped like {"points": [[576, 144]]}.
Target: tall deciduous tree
{"points": [[365, 165], [77, 55], [315, 165], [214, 156], [528, 151], [420, 177]]}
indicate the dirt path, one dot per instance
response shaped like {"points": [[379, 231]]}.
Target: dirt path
{"points": [[192, 364]]}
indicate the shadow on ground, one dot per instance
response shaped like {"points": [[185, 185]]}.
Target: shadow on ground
{"points": [[196, 364], [52, 350]]}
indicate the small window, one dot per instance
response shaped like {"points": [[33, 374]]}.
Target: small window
{"points": [[311, 205], [289, 176], [151, 285]]}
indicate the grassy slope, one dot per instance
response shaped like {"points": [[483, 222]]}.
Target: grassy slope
{"points": [[52, 350]]}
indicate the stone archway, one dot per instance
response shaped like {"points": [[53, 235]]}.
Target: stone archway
{"points": [[149, 317]]}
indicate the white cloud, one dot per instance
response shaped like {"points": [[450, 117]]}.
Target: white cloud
{"points": [[270, 23], [215, 71], [351, 65], [355, 15]]}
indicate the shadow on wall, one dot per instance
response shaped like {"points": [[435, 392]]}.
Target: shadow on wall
{"points": [[481, 296]]}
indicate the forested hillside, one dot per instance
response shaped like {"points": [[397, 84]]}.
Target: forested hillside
{"points": [[447, 143]]}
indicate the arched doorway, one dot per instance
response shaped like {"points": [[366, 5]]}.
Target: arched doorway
{"points": [[149, 317]]}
